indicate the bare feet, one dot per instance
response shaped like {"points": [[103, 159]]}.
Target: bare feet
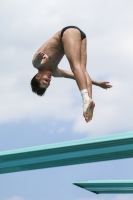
{"points": [[88, 114]]}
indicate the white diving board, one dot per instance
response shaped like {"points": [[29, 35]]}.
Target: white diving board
{"points": [[112, 147], [107, 187]]}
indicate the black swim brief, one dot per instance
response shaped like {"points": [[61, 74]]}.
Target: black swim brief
{"points": [[82, 33]]}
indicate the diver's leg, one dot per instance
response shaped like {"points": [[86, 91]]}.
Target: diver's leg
{"points": [[72, 46], [83, 65]]}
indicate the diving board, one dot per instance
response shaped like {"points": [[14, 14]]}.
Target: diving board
{"points": [[107, 187], [112, 147]]}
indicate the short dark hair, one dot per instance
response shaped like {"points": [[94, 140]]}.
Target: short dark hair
{"points": [[36, 87]]}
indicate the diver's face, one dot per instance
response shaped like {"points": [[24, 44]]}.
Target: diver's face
{"points": [[44, 78]]}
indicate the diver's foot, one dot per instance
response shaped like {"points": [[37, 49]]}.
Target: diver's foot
{"points": [[88, 108]]}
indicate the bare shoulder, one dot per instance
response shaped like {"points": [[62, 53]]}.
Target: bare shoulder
{"points": [[57, 72]]}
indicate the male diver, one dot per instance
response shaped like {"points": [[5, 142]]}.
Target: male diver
{"points": [[72, 42]]}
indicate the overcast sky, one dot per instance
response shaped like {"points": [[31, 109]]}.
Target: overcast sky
{"points": [[27, 120]]}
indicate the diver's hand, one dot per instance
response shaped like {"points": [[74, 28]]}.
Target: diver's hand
{"points": [[41, 56], [105, 85]]}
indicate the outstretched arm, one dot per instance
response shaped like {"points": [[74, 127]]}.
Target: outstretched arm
{"points": [[63, 73], [103, 84], [70, 75]]}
